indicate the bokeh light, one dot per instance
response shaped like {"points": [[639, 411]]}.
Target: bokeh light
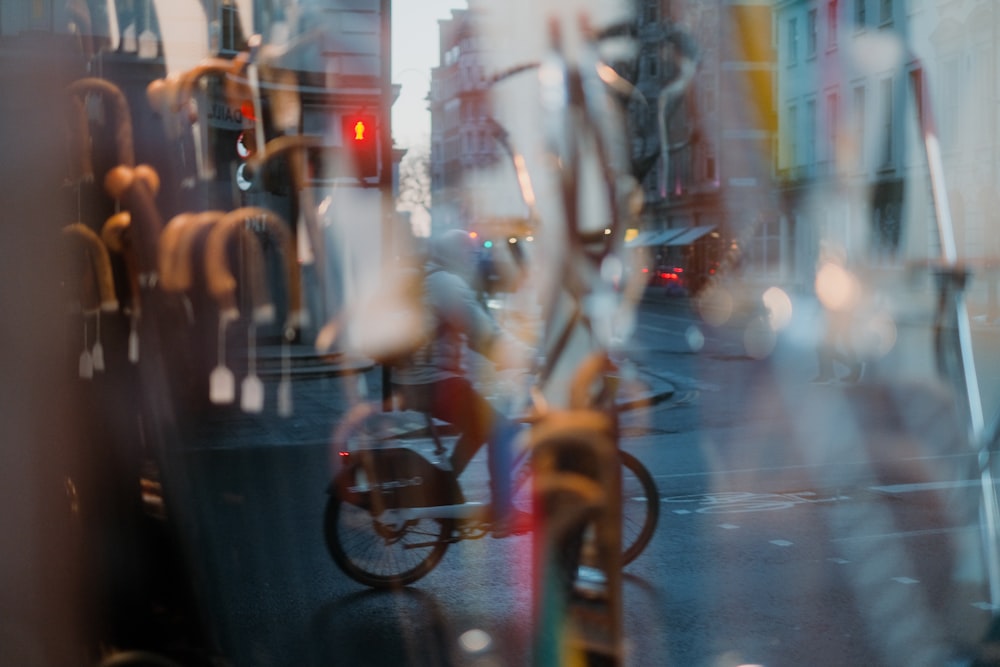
{"points": [[715, 305], [779, 307], [836, 287], [475, 641], [695, 338]]}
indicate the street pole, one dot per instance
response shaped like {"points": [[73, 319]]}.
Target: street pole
{"points": [[385, 174]]}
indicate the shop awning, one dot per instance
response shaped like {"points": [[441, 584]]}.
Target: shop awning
{"points": [[661, 238], [641, 239], [654, 237], [690, 235]]}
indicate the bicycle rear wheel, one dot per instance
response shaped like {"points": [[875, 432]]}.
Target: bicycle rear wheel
{"points": [[379, 555]]}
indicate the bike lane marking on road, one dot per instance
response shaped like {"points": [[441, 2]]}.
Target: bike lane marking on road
{"points": [[917, 487], [735, 502]]}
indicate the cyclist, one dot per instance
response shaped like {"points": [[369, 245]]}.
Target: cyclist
{"points": [[436, 380]]}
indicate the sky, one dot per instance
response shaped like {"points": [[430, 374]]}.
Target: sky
{"points": [[414, 53]]}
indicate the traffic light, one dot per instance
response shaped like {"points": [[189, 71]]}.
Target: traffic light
{"points": [[244, 151], [360, 139]]}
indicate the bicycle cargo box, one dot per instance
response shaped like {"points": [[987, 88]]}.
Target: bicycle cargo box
{"points": [[392, 477]]}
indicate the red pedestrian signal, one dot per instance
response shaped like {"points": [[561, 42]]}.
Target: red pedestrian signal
{"points": [[359, 129], [360, 139]]}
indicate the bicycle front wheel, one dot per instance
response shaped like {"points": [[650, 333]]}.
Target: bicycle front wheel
{"points": [[640, 504], [380, 555], [640, 507]]}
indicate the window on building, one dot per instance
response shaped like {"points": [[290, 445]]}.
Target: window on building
{"points": [[652, 11], [649, 66], [809, 135], [812, 28], [766, 246], [858, 121], [917, 92], [230, 32], [793, 41], [885, 12], [792, 153], [885, 99], [832, 125], [860, 14], [832, 23]]}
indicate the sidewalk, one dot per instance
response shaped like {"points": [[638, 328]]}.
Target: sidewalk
{"points": [[323, 387]]}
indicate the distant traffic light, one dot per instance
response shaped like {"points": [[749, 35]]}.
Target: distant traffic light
{"points": [[360, 139]]}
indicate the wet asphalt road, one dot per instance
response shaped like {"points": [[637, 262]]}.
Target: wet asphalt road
{"points": [[777, 545]]}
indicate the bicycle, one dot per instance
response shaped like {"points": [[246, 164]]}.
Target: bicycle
{"points": [[395, 505], [399, 534]]}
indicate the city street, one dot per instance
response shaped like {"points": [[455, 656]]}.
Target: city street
{"points": [[800, 524]]}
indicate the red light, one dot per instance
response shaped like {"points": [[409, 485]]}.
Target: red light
{"points": [[246, 108], [359, 130], [645, 270], [678, 269], [345, 454], [359, 135]]}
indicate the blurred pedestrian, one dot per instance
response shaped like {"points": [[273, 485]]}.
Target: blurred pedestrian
{"points": [[436, 380]]}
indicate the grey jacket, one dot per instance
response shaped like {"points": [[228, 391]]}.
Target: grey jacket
{"points": [[454, 319]]}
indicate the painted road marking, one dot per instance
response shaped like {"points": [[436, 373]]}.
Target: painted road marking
{"points": [[904, 534], [782, 543], [927, 486]]}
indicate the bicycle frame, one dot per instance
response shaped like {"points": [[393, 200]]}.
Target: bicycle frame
{"points": [[582, 122]]}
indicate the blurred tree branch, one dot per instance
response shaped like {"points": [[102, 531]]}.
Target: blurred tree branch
{"points": [[415, 188]]}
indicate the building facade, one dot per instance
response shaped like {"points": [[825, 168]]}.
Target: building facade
{"points": [[798, 129], [855, 77], [709, 203], [463, 142]]}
